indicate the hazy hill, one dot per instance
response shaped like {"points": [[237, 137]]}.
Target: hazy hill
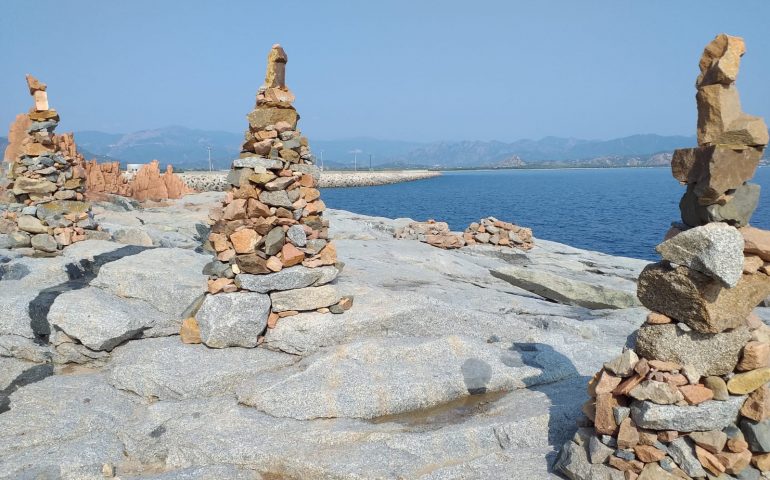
{"points": [[186, 148]]}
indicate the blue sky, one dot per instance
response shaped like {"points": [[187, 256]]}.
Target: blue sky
{"points": [[409, 70]]}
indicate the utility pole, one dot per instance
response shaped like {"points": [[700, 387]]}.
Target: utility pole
{"points": [[322, 160], [355, 160], [211, 167], [370, 162]]}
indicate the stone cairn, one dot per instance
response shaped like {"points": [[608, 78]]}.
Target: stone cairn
{"points": [[45, 209], [691, 399], [495, 232], [273, 257], [488, 230]]}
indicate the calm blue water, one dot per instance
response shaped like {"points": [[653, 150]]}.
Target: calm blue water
{"points": [[621, 211]]}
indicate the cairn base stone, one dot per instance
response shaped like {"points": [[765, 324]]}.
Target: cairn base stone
{"points": [[233, 319]]}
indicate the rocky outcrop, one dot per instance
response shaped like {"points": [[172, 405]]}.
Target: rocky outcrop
{"points": [[700, 367]]}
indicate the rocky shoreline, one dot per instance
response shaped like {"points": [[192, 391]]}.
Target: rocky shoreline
{"points": [[500, 368], [216, 181]]}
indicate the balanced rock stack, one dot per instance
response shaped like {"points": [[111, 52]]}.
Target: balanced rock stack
{"points": [[273, 258], [691, 399], [45, 183], [436, 234], [495, 232]]}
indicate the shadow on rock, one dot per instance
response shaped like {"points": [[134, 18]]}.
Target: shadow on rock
{"points": [[561, 382]]}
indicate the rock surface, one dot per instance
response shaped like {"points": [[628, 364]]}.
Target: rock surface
{"points": [[233, 319], [158, 407]]}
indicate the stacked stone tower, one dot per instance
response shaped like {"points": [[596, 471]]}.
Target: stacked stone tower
{"points": [[273, 257], [691, 399], [45, 208]]}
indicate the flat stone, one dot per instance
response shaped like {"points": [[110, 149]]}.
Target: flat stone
{"points": [[166, 369], [713, 441], [260, 118], [24, 185], [376, 377], [44, 242], [257, 162], [100, 320], [304, 299], [756, 242], [565, 290], [715, 249], [757, 406], [276, 199], [659, 392], [233, 319], [699, 301], [736, 211], [280, 183], [287, 279], [58, 208], [309, 169], [747, 382], [709, 415], [715, 169], [31, 224], [147, 276], [707, 354]]}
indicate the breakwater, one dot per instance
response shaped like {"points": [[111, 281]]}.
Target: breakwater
{"points": [[215, 181]]}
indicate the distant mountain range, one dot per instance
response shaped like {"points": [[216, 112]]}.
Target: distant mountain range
{"points": [[188, 149]]}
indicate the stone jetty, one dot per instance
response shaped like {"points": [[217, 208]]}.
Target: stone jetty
{"points": [[273, 257], [44, 209], [691, 398]]}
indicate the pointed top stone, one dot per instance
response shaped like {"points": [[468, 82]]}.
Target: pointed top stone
{"points": [[35, 85], [276, 68], [721, 60]]}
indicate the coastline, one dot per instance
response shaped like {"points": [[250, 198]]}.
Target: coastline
{"points": [[215, 181]]}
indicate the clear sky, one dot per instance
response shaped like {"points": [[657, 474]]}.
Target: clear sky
{"points": [[402, 69]]}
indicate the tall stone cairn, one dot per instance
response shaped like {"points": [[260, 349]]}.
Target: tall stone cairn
{"points": [[43, 206], [691, 398], [273, 258]]}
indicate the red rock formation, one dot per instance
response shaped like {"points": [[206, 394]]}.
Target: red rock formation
{"points": [[106, 178], [16, 134], [149, 184]]}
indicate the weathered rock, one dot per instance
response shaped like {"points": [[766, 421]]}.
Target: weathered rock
{"points": [[274, 240], [31, 224], [705, 353], [33, 185], [755, 355], [747, 382], [736, 211], [658, 392], [100, 320], [565, 290], [190, 332], [145, 275], [718, 386], [757, 434], [681, 450], [715, 249], [715, 169], [756, 242], [598, 452], [233, 319], [287, 279], [167, 369], [44, 242], [710, 415], [713, 441], [721, 60], [698, 300], [303, 299], [757, 406], [376, 377]]}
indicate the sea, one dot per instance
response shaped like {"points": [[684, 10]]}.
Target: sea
{"points": [[619, 211]]}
